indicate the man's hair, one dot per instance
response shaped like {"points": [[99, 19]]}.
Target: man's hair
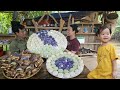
{"points": [[16, 26], [74, 27]]}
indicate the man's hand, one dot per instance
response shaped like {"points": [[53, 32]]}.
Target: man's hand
{"points": [[25, 52]]}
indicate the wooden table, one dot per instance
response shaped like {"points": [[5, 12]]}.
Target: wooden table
{"points": [[44, 74]]}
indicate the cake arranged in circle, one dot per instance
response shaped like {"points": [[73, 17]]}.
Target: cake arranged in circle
{"points": [[47, 43], [65, 65]]}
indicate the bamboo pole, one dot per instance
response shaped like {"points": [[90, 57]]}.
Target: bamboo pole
{"points": [[69, 19], [46, 13], [62, 22], [73, 20], [41, 18]]}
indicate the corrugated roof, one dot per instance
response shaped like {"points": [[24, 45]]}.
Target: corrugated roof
{"points": [[76, 15]]}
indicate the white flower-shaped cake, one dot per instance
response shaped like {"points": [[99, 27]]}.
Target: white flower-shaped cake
{"points": [[65, 65], [47, 43]]}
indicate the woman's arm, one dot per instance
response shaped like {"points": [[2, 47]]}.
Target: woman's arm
{"points": [[70, 51], [75, 48]]}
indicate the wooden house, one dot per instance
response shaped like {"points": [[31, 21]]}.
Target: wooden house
{"points": [[86, 20]]}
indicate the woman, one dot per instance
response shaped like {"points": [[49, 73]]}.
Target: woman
{"points": [[73, 43]]}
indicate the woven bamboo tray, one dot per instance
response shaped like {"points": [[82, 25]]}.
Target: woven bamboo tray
{"points": [[113, 17], [26, 76]]}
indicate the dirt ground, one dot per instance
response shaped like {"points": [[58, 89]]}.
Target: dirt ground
{"points": [[91, 62], [118, 61]]}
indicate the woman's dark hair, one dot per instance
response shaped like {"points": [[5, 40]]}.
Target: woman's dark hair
{"points": [[103, 28], [16, 26], [74, 27]]}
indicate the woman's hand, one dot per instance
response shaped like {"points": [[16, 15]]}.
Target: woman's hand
{"points": [[73, 52], [67, 50], [70, 51]]}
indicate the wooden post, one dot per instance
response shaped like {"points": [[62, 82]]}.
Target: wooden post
{"points": [[15, 15], [82, 27], [46, 13], [41, 19], [92, 28], [62, 22], [73, 21], [96, 17], [69, 19]]}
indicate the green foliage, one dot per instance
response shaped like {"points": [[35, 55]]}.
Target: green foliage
{"points": [[117, 30], [5, 19], [118, 23], [33, 14]]}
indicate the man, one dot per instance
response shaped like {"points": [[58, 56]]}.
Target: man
{"points": [[19, 44]]}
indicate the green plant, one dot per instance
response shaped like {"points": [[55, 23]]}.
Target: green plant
{"points": [[5, 19]]}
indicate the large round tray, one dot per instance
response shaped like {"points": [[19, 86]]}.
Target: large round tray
{"points": [[37, 46], [62, 54]]}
